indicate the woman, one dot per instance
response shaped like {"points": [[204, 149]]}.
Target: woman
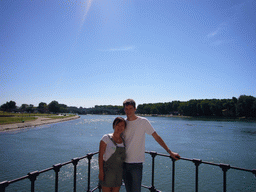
{"points": [[111, 157]]}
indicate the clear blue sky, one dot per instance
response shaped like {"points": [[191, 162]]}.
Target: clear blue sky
{"points": [[99, 52]]}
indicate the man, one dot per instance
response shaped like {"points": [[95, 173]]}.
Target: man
{"points": [[134, 135]]}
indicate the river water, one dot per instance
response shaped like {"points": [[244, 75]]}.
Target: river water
{"points": [[38, 148]]}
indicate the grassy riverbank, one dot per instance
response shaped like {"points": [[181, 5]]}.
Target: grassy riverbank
{"points": [[9, 118]]}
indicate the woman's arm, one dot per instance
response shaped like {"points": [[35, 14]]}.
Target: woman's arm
{"points": [[102, 150]]}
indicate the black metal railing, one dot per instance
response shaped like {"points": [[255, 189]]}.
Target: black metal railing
{"points": [[197, 162], [32, 176]]}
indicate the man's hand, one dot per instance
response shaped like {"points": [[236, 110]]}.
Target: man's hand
{"points": [[174, 155]]}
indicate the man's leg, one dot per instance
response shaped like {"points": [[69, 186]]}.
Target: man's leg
{"points": [[133, 176], [127, 177]]}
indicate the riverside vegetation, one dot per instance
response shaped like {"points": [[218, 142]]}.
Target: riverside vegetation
{"points": [[242, 107], [8, 118]]}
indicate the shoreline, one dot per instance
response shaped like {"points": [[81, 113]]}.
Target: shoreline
{"points": [[38, 122]]}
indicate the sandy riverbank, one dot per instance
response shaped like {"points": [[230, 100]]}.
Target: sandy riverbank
{"points": [[39, 121]]}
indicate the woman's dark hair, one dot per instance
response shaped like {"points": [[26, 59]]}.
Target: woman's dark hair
{"points": [[118, 120]]}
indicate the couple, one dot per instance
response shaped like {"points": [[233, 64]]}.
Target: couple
{"points": [[122, 153]]}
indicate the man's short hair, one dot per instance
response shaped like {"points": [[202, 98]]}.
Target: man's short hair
{"points": [[129, 102]]}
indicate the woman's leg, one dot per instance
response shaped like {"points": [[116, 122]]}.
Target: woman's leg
{"points": [[110, 189], [115, 189], [106, 189]]}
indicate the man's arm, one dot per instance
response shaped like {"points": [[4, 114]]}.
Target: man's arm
{"points": [[161, 142]]}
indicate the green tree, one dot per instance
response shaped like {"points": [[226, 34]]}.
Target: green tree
{"points": [[54, 107], [175, 105], [216, 107], [23, 107], [4, 107], [183, 108], [154, 109], [168, 107], [245, 106], [9, 106], [162, 108], [205, 106], [254, 109], [42, 107], [63, 108], [229, 106], [191, 108], [30, 108]]}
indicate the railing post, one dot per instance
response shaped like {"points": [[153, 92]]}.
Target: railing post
{"points": [[254, 172], [75, 162], [99, 186], [224, 168], [3, 185], [197, 162], [32, 177], [56, 168], [153, 155], [89, 157], [173, 173]]}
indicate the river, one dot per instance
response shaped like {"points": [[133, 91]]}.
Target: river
{"points": [[229, 142]]}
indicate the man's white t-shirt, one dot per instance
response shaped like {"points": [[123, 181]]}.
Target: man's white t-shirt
{"points": [[134, 136]]}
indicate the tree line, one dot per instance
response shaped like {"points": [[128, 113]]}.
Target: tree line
{"points": [[52, 107], [56, 107], [244, 106]]}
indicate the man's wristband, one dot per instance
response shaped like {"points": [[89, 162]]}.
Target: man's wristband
{"points": [[168, 150]]}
